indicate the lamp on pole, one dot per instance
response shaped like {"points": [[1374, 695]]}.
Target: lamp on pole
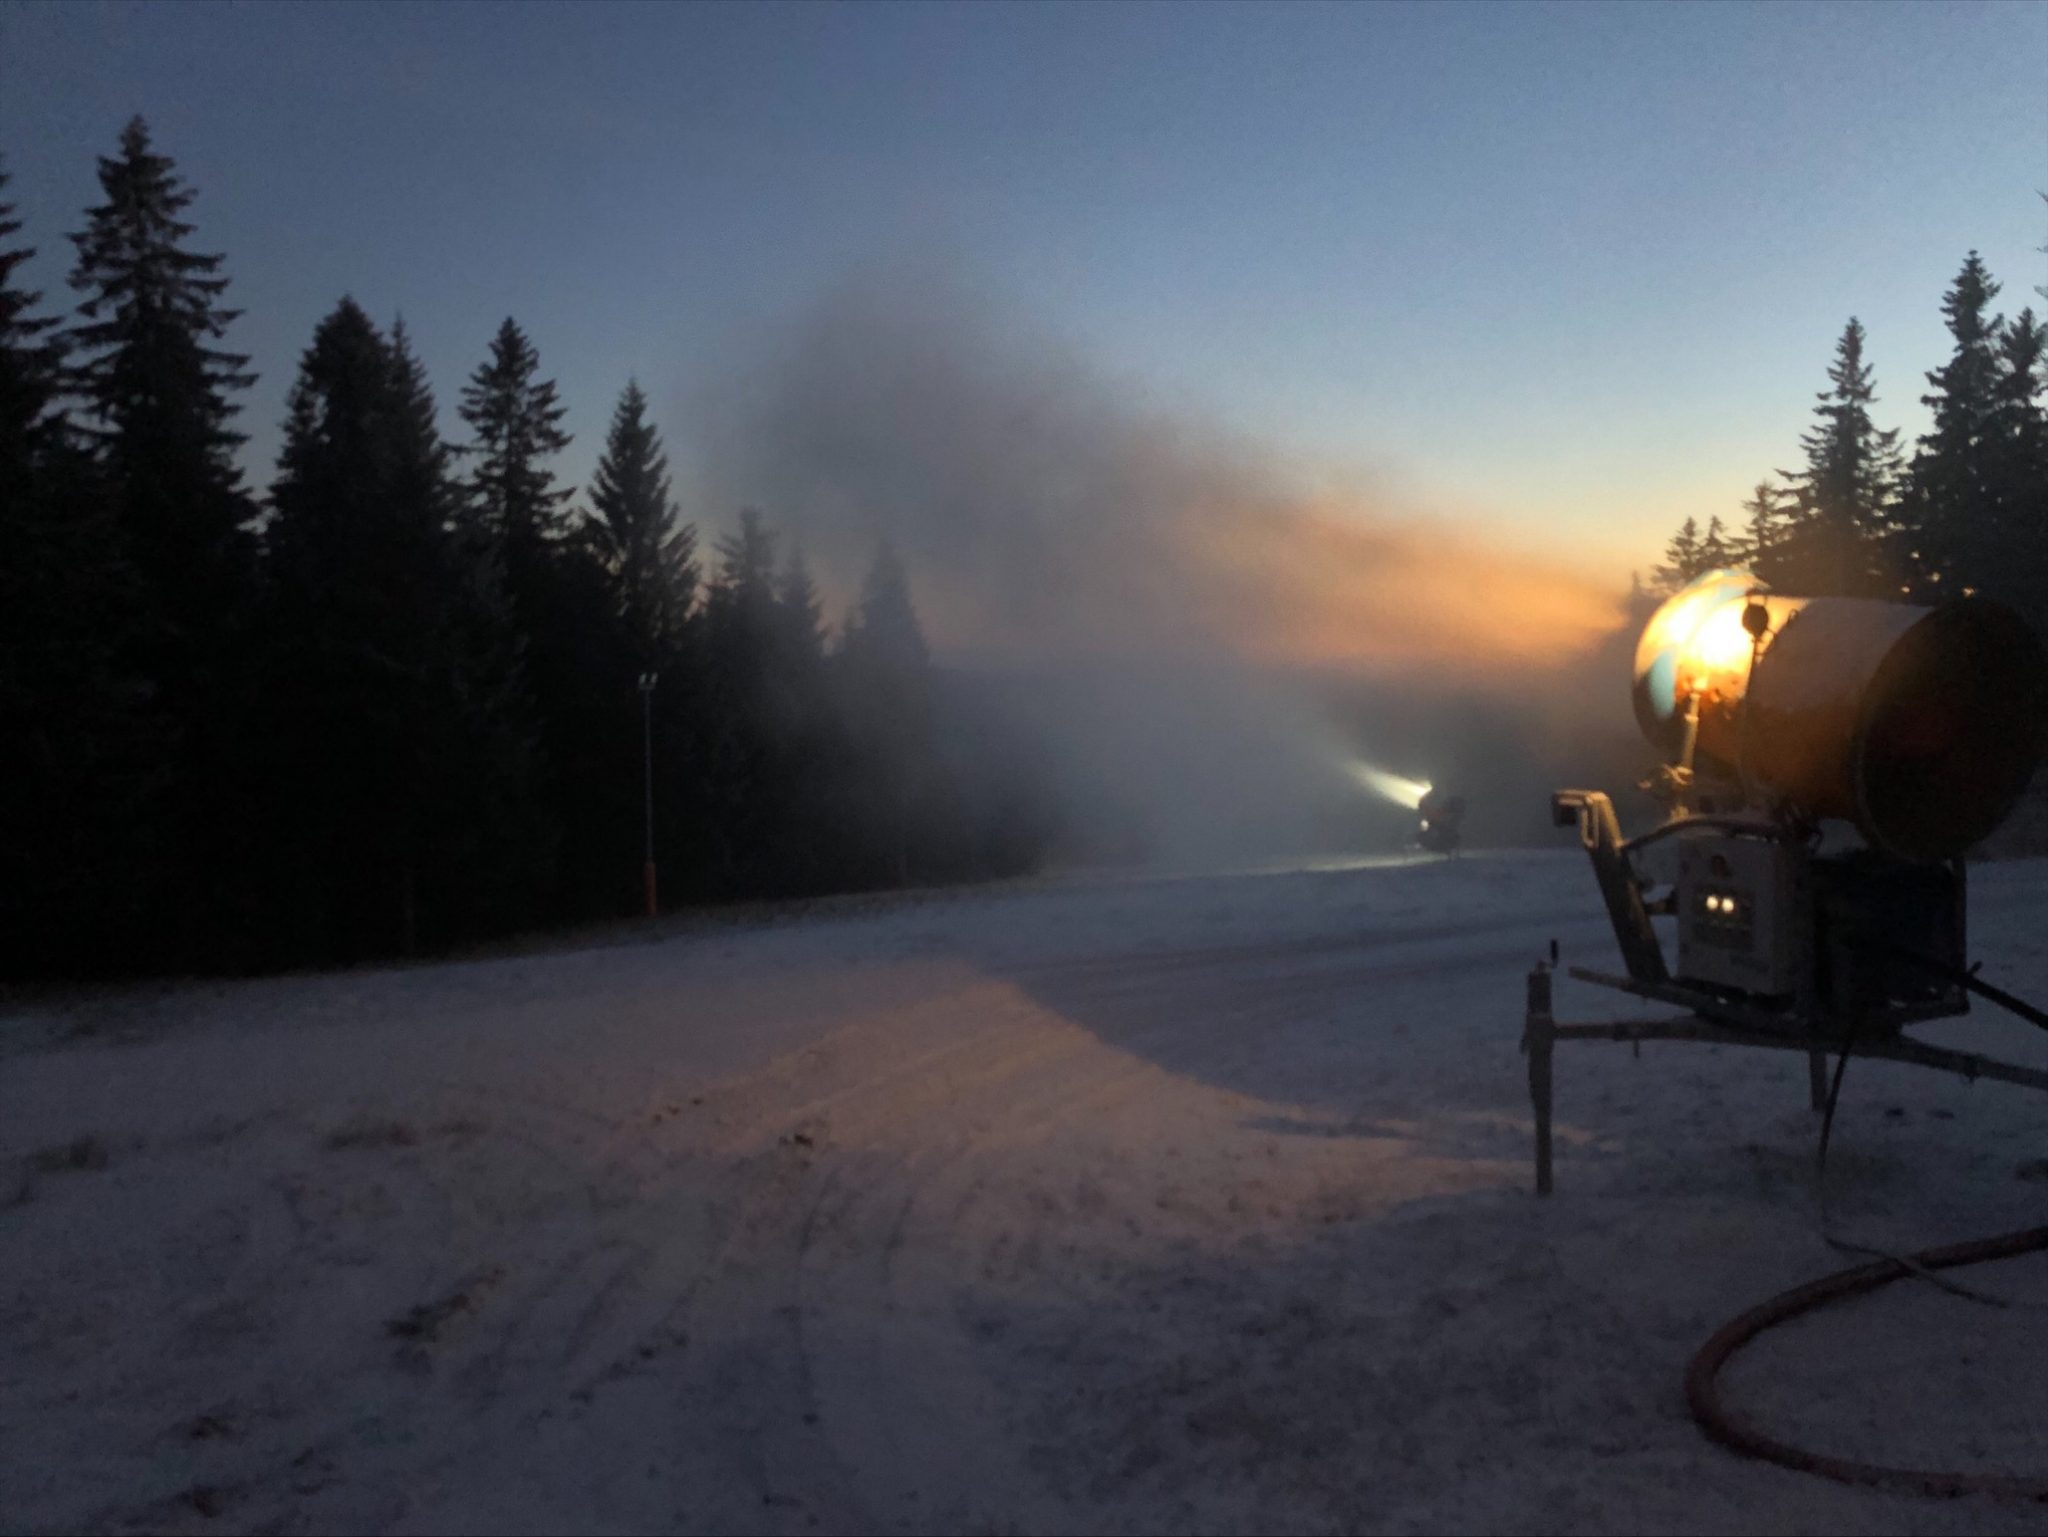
{"points": [[647, 682]]}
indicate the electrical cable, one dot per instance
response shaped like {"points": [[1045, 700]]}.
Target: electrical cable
{"points": [[1843, 1245], [1702, 1375]]}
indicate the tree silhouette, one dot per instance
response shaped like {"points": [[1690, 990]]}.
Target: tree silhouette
{"points": [[401, 708], [391, 709], [1716, 551], [31, 364], [649, 557], [1681, 557], [1841, 536], [1952, 497], [886, 693], [81, 782], [1763, 525], [516, 421], [157, 391], [2018, 467]]}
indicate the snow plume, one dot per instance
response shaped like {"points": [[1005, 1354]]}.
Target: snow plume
{"points": [[1177, 598], [1391, 787]]}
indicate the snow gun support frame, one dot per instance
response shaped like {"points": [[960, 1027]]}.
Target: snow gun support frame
{"points": [[1775, 714], [1722, 1016]]}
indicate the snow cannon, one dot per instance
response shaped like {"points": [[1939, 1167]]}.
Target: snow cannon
{"points": [[1440, 821], [1828, 761], [1920, 726]]}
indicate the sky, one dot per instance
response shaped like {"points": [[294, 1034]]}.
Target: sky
{"points": [[1568, 272]]}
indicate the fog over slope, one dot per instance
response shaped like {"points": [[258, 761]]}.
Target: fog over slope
{"points": [[1199, 634]]}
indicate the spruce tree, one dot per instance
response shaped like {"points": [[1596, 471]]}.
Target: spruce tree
{"points": [[800, 617], [886, 693], [158, 393], [1763, 525], [1952, 501], [2019, 466], [353, 567], [493, 843], [1681, 557], [560, 601], [1716, 551], [648, 557], [883, 632], [393, 685], [80, 778], [157, 396], [31, 365], [516, 420], [741, 604], [743, 780], [1842, 536]]}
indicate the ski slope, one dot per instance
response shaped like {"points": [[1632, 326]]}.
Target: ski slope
{"points": [[1096, 1204]]}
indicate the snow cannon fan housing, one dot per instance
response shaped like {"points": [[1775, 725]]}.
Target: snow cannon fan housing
{"points": [[1918, 726]]}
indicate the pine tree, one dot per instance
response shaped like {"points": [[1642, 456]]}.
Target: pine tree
{"points": [[886, 697], [2019, 466], [883, 631], [1842, 536], [1681, 557], [744, 789], [1716, 551], [157, 401], [31, 366], [742, 601], [516, 420], [1763, 525], [800, 616], [493, 844], [353, 567], [577, 673], [81, 784], [1952, 496], [392, 708], [158, 392], [647, 556]]}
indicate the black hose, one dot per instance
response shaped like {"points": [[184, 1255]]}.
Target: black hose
{"points": [[1703, 1393], [1702, 1376]]}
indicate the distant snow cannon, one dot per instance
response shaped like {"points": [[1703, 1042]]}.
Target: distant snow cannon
{"points": [[1920, 726], [1440, 820], [1439, 817]]}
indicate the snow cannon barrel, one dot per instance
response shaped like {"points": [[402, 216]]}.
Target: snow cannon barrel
{"points": [[1922, 726]]}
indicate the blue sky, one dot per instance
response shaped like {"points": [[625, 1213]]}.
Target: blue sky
{"points": [[1574, 271]]}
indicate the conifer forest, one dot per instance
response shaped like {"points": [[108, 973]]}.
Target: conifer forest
{"points": [[411, 692]]}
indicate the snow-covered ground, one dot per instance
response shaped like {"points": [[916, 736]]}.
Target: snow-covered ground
{"points": [[1102, 1205]]}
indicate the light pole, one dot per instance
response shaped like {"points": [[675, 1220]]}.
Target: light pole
{"points": [[647, 682]]}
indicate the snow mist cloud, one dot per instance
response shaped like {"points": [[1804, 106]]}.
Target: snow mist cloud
{"points": [[1180, 596]]}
